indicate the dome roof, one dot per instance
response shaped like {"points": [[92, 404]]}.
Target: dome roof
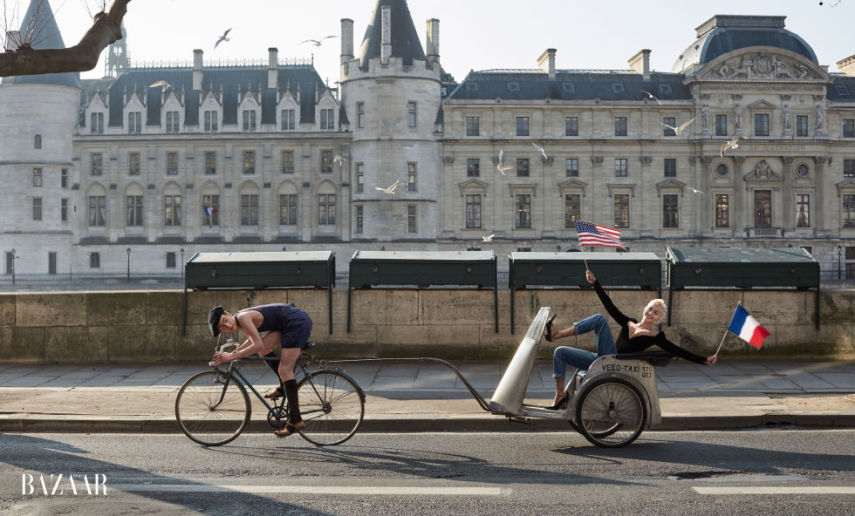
{"points": [[722, 34], [39, 26]]}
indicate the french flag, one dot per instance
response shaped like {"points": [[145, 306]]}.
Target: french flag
{"points": [[747, 327]]}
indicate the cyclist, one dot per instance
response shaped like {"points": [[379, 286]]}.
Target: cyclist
{"points": [[284, 324]]}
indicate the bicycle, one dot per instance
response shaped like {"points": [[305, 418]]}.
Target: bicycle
{"points": [[213, 407]]}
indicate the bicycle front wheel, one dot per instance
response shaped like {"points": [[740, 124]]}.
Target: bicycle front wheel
{"points": [[332, 406], [212, 408]]}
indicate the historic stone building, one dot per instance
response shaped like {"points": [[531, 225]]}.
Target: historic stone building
{"points": [[146, 168]]}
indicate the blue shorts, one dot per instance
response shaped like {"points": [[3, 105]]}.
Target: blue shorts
{"points": [[297, 334]]}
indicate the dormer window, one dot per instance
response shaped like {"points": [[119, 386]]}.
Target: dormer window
{"points": [[172, 121], [327, 120], [513, 86], [96, 123], [664, 89], [134, 122], [211, 121], [842, 90], [568, 87], [617, 87], [249, 120]]}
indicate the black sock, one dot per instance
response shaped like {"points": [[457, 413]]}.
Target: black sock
{"points": [[293, 402], [273, 364]]}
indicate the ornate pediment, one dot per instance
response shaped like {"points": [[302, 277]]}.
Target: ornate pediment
{"points": [[669, 183], [762, 171], [847, 185], [763, 64], [761, 105], [471, 184], [573, 183]]}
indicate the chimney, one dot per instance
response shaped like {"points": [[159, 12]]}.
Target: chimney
{"points": [[385, 35], [546, 62], [346, 40], [432, 40], [13, 40], [640, 63], [273, 68], [197, 69], [847, 66]]}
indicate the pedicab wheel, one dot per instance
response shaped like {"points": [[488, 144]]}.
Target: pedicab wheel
{"points": [[212, 408], [611, 413]]}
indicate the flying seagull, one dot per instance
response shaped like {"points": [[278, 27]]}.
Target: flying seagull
{"points": [[652, 96], [732, 144], [317, 42], [681, 128], [159, 84], [540, 150], [695, 190], [501, 165], [337, 159], [390, 190], [224, 37], [488, 238]]}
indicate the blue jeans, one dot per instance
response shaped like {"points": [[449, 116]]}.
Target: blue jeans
{"points": [[579, 358]]}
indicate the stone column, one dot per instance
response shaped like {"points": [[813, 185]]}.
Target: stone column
{"points": [[819, 200]]}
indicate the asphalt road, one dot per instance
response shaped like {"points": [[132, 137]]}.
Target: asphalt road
{"points": [[780, 471]]}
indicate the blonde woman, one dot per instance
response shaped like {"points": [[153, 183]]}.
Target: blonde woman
{"points": [[634, 337]]}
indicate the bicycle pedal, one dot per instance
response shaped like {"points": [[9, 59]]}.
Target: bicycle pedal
{"points": [[517, 419]]}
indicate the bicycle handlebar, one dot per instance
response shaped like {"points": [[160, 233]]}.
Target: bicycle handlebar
{"points": [[224, 349]]}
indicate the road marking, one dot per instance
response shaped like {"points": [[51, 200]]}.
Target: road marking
{"points": [[767, 490], [320, 490]]}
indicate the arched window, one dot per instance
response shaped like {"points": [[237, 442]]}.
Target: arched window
{"points": [[37, 143]]}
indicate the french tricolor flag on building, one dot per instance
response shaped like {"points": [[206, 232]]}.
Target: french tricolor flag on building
{"points": [[747, 327]]}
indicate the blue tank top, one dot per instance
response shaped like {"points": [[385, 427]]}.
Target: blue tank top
{"points": [[278, 316]]}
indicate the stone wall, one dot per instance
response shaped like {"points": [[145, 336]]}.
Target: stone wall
{"points": [[98, 327]]}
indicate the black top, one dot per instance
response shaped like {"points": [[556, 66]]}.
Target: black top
{"points": [[637, 344]]}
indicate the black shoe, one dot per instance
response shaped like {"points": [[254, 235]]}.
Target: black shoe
{"points": [[548, 335], [562, 403]]}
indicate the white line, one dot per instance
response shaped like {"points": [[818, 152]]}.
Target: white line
{"points": [[324, 490], [767, 490]]}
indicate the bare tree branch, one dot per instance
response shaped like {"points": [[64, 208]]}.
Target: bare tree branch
{"points": [[106, 29]]}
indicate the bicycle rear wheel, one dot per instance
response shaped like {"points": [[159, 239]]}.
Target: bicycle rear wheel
{"points": [[332, 406], [611, 413], [212, 408]]}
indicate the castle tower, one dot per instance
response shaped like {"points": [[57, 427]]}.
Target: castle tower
{"points": [[118, 59], [391, 95], [37, 117]]}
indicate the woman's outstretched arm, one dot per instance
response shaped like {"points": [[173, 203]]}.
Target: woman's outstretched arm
{"points": [[610, 307]]}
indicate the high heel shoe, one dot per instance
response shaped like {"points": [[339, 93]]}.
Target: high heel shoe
{"points": [[548, 335], [562, 403]]}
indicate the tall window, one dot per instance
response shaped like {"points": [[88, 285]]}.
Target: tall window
{"points": [[670, 167], [621, 210], [172, 122], [411, 115], [849, 168], [287, 162], [473, 126], [249, 120], [762, 208], [327, 121], [170, 260], [802, 210], [211, 121], [37, 142], [411, 177], [621, 167], [133, 163], [359, 220], [360, 115], [326, 209], [96, 163], [51, 262], [620, 126], [522, 167], [473, 167], [10, 262], [721, 125], [849, 127], [37, 208], [171, 210], [94, 260], [210, 163], [97, 210], [572, 209], [722, 210], [249, 162], [288, 119], [522, 126], [523, 205], [411, 219], [288, 209], [670, 211], [134, 205], [326, 161], [801, 125], [249, 210], [211, 210], [37, 177], [571, 167], [171, 163], [96, 123], [473, 211], [134, 122], [571, 126], [63, 210], [360, 177], [63, 178], [761, 124], [848, 211], [671, 122]]}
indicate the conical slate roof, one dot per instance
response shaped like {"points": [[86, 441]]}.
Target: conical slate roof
{"points": [[39, 28], [405, 40]]}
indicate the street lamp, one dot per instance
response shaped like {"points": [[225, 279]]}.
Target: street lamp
{"points": [[182, 263], [128, 250], [839, 249], [14, 257]]}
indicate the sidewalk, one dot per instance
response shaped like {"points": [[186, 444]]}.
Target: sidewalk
{"points": [[409, 397]]}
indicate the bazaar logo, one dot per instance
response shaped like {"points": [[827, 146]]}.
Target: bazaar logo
{"points": [[61, 485]]}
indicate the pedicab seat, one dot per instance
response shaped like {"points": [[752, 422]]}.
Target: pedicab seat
{"points": [[654, 358]]}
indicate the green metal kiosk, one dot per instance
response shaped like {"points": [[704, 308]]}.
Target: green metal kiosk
{"points": [[423, 269]]}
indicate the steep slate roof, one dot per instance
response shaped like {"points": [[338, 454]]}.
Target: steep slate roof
{"points": [[569, 85], [231, 80], [722, 34], [40, 29], [405, 40], [842, 89]]}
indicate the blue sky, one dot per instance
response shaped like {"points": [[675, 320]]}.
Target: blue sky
{"points": [[474, 34]]}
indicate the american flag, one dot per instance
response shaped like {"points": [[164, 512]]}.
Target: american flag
{"points": [[595, 235]]}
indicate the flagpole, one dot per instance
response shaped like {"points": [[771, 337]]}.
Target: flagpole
{"points": [[738, 302]]}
